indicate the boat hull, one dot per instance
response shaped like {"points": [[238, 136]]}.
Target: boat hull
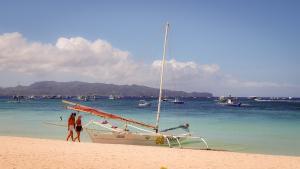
{"points": [[234, 105], [178, 102], [231, 104], [145, 105], [131, 138]]}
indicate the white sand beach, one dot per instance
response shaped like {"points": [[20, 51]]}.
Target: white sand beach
{"points": [[31, 153]]}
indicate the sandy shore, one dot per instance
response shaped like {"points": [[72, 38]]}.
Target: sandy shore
{"points": [[23, 153]]}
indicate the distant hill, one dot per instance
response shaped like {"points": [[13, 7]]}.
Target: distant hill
{"points": [[76, 88]]}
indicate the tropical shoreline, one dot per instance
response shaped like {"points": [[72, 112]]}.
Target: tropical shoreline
{"points": [[23, 152]]}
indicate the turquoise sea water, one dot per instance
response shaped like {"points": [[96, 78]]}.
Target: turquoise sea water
{"points": [[259, 127]]}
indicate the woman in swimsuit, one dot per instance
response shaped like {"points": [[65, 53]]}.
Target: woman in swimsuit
{"points": [[78, 128], [71, 126]]}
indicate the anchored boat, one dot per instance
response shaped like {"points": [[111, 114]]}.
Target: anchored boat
{"points": [[178, 101], [144, 103]]}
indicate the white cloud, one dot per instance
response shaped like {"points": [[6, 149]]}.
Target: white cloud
{"points": [[98, 61]]}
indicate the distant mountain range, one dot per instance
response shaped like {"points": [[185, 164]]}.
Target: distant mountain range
{"points": [[76, 88]]}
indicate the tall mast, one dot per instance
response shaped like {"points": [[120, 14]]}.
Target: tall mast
{"points": [[161, 77]]}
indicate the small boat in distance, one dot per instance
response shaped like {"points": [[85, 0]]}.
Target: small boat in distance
{"points": [[229, 101], [252, 97], [276, 99], [111, 97], [16, 99], [144, 103], [178, 101], [83, 98], [165, 99], [233, 102]]}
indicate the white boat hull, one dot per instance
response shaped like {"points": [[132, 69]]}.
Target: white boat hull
{"points": [[98, 136], [145, 105]]}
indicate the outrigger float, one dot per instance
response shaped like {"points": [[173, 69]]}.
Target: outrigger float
{"points": [[133, 132]]}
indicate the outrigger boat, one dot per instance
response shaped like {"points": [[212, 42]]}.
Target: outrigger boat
{"points": [[133, 132]]}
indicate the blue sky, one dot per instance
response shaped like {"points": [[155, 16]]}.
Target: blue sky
{"points": [[257, 41]]}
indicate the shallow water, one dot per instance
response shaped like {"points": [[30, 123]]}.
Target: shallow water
{"points": [[259, 127]]}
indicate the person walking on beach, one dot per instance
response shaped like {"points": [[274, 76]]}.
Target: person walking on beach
{"points": [[71, 126], [78, 128]]}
